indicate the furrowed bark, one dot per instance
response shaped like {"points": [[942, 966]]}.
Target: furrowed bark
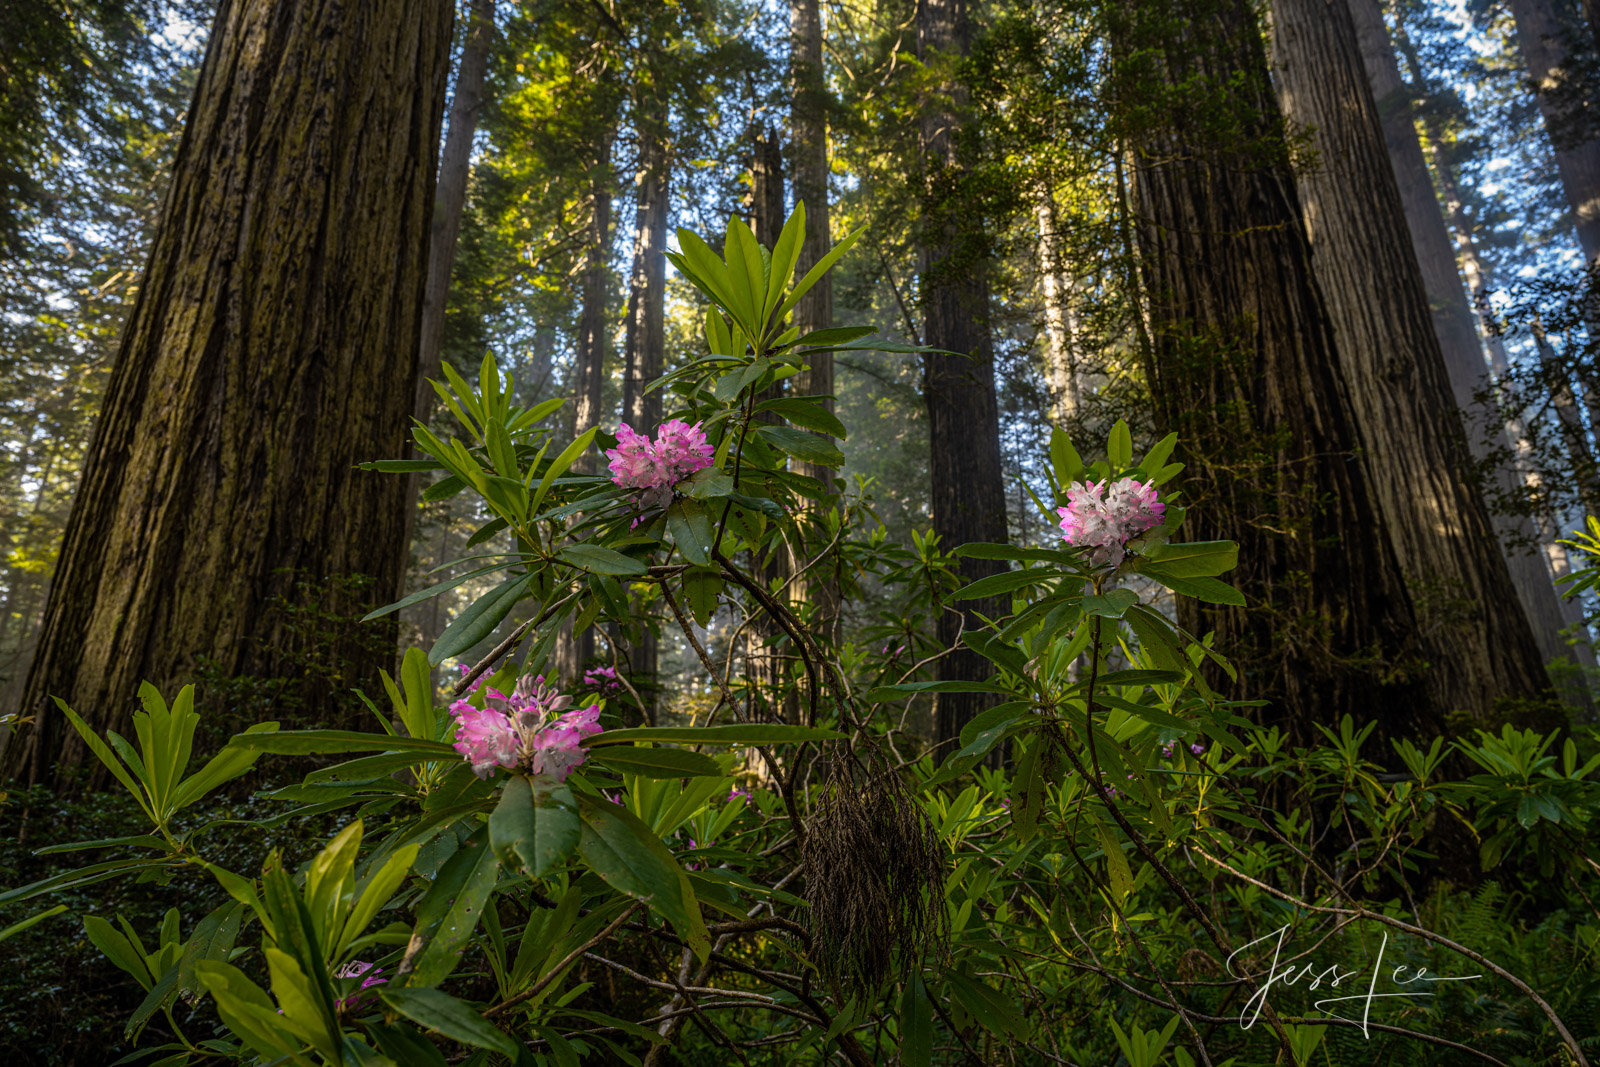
{"points": [[1475, 635], [1245, 369], [272, 348], [967, 483]]}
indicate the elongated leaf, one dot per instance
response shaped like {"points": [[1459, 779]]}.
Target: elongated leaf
{"points": [[1010, 581], [890, 692], [1112, 605], [137, 841], [802, 445], [535, 825], [985, 550], [807, 414], [455, 1019], [1119, 449], [479, 620], [632, 860], [657, 762], [559, 465], [249, 1012], [117, 948], [432, 590], [599, 560], [755, 733], [306, 742], [916, 1024], [690, 527], [1064, 458], [32, 920], [1194, 559], [449, 913], [1210, 590], [991, 1008], [815, 274]]}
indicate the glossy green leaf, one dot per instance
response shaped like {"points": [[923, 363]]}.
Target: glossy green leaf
{"points": [[802, 445], [479, 619], [535, 825], [599, 560], [656, 762], [632, 860], [453, 1018], [449, 912], [755, 733]]}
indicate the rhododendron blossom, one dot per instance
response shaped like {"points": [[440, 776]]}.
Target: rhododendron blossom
{"points": [[602, 678], [1106, 518], [677, 452], [369, 977], [531, 730]]}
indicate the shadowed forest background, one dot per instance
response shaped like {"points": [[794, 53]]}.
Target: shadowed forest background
{"points": [[1345, 251]]}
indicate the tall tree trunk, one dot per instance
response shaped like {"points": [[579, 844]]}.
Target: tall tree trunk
{"points": [[1454, 320], [967, 484], [645, 335], [589, 368], [455, 167], [808, 176], [1540, 35], [1060, 357], [1476, 637], [766, 185], [1243, 363], [272, 347]]}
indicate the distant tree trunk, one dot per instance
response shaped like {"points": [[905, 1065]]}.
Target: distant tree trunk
{"points": [[967, 484], [1454, 320], [808, 176], [1243, 363], [645, 334], [1476, 638], [766, 185], [1061, 364], [589, 368], [272, 347], [455, 167], [1540, 39]]}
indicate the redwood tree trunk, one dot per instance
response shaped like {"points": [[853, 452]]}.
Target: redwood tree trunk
{"points": [[1060, 360], [1453, 316], [1540, 35], [455, 167], [272, 347], [645, 333], [808, 177], [967, 486], [1475, 635], [1243, 366]]}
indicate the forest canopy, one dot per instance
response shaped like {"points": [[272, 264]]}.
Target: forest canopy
{"points": [[872, 532]]}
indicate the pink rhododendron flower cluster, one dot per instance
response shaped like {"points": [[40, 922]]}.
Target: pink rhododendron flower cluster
{"points": [[602, 678], [1106, 517], [531, 730], [677, 452], [369, 977]]}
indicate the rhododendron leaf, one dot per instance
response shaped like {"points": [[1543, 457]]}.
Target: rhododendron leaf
{"points": [[991, 1008], [707, 484], [1064, 459], [834, 335], [1112, 605], [806, 414], [117, 948], [748, 266], [479, 619], [601, 560], [104, 754], [752, 733], [1119, 446], [374, 893], [559, 465], [690, 527], [1206, 589], [449, 912], [1157, 456], [249, 1012], [632, 860], [535, 825], [463, 392], [785, 253], [705, 271], [225, 766], [1116, 861], [305, 1012], [657, 762], [1193, 559], [802, 445], [306, 742], [815, 274], [998, 652], [1009, 581], [701, 587], [455, 1019], [1028, 786], [916, 1024]]}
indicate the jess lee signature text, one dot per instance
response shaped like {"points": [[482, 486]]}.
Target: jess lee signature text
{"points": [[1315, 976]]}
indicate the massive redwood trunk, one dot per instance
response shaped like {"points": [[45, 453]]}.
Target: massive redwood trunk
{"points": [[1479, 646], [967, 487], [272, 348], [1244, 367], [1454, 320]]}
